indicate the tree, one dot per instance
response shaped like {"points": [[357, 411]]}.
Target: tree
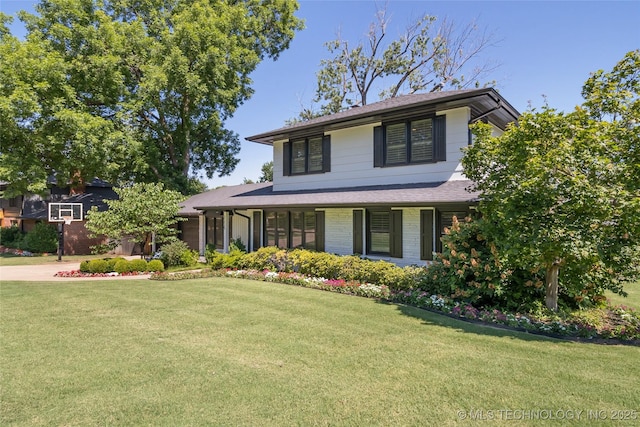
{"points": [[558, 192], [141, 211], [45, 130], [155, 80], [426, 58], [267, 172]]}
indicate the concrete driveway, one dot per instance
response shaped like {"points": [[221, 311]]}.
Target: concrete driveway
{"points": [[45, 273]]}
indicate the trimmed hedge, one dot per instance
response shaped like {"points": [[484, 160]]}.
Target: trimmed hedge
{"points": [[320, 265], [120, 265]]}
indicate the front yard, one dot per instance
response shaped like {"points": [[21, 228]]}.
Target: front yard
{"points": [[227, 351]]}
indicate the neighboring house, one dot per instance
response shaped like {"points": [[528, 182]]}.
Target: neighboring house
{"points": [[381, 180], [35, 208], [10, 209]]}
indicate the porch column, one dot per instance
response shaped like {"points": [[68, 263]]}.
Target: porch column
{"points": [[225, 221], [202, 233]]}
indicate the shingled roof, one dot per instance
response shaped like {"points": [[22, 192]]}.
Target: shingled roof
{"points": [[482, 102], [262, 196]]}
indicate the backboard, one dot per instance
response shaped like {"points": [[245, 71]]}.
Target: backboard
{"points": [[65, 212]]}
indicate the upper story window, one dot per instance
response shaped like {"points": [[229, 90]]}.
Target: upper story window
{"points": [[307, 155], [409, 142]]}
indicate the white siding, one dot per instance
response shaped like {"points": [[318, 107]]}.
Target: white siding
{"points": [[352, 160], [240, 227]]}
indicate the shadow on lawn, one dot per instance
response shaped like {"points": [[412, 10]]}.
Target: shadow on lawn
{"points": [[435, 318]]}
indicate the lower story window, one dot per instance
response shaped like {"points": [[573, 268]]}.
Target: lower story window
{"points": [[277, 229], [384, 232], [294, 229], [215, 231]]}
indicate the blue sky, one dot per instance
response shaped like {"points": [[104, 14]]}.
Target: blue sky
{"points": [[545, 48]]}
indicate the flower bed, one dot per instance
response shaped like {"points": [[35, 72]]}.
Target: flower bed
{"points": [[618, 323], [78, 273]]}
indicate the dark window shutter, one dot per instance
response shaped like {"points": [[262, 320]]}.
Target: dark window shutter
{"points": [[378, 147], [257, 226], [357, 232], [320, 231], [326, 153], [286, 158], [426, 235], [396, 234], [439, 138]]}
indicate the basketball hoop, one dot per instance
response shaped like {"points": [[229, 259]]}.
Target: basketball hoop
{"points": [[67, 219]]}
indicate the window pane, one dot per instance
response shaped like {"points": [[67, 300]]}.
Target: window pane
{"points": [[315, 155], [396, 144], [380, 224], [283, 230], [310, 230], [218, 233], [298, 157], [380, 242], [297, 224], [310, 240], [421, 140], [270, 228]]}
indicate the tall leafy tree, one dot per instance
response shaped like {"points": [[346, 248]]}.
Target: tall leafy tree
{"points": [[430, 56], [267, 172], [142, 210], [159, 77], [560, 192]]}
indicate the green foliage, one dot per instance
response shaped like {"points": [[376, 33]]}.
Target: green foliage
{"points": [[139, 265], [42, 238], [267, 172], [155, 265], [177, 253], [560, 191], [140, 211], [122, 266], [470, 270], [99, 266], [320, 265], [113, 261], [11, 237], [84, 266], [264, 258], [132, 90], [234, 259]]}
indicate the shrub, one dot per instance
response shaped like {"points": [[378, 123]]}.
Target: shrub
{"points": [[177, 253], [470, 270], [264, 258], [84, 266], [98, 266], [155, 265], [139, 265], [122, 266], [43, 238], [11, 236], [113, 261]]}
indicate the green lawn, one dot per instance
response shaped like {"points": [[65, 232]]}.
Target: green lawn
{"points": [[234, 352], [8, 259], [632, 300]]}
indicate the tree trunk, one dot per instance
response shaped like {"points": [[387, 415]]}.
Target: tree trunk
{"points": [[552, 286]]}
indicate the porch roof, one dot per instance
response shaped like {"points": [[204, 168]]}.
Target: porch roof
{"points": [[262, 196]]}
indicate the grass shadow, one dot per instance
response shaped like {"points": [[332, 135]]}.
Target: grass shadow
{"points": [[478, 327]]}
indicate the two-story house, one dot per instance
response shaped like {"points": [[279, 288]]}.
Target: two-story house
{"points": [[381, 180]]}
